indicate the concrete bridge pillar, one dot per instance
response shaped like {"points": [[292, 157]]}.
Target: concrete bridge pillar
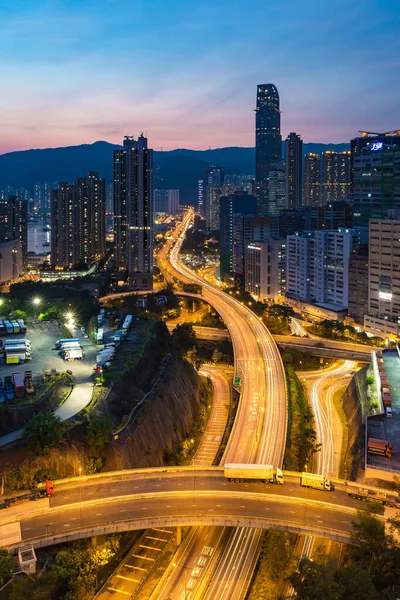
{"points": [[179, 535], [94, 541]]}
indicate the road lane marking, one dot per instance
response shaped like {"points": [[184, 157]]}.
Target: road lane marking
{"points": [[149, 537], [150, 547], [119, 591], [128, 578], [143, 557], [138, 568], [163, 530], [67, 525]]}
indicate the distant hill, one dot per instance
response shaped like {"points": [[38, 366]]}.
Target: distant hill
{"points": [[180, 168]]}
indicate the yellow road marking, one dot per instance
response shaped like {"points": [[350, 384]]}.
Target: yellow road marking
{"points": [[149, 547], [119, 591], [149, 537], [163, 530], [132, 567], [128, 578], [143, 557]]}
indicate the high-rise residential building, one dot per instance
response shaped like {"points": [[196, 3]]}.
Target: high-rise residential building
{"points": [[133, 208], [371, 139], [336, 175], [200, 197], [277, 188], [63, 226], [214, 181], [383, 316], [78, 221], [173, 202], [317, 266], [312, 180], [42, 196], [331, 216], [166, 201], [238, 203], [249, 228], [265, 266], [268, 140], [11, 266], [294, 170], [358, 284], [14, 223], [376, 181], [294, 221], [160, 202]]}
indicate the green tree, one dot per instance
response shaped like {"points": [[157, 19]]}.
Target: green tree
{"points": [[315, 581], [93, 465], [40, 587], [7, 563], [42, 432], [184, 336], [18, 314], [356, 583], [98, 434], [368, 539]]}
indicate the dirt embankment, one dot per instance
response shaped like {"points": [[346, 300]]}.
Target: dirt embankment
{"points": [[163, 420], [170, 388], [16, 417], [352, 409]]}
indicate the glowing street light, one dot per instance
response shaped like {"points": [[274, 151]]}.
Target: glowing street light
{"points": [[36, 301]]}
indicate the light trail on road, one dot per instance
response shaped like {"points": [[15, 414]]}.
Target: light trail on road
{"points": [[322, 386], [259, 432]]}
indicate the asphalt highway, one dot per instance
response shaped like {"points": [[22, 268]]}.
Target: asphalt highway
{"points": [[217, 502]]}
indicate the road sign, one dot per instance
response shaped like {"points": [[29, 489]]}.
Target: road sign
{"points": [[236, 382]]}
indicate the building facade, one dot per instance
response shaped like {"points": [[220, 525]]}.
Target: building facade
{"points": [[238, 204], [265, 269], [317, 266], [336, 176], [376, 181], [277, 188], [78, 221], [358, 285], [214, 182], [133, 206], [268, 140], [384, 277], [11, 263], [294, 170], [312, 180], [14, 223]]}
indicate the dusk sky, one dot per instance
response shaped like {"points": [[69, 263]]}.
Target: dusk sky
{"points": [[186, 71]]}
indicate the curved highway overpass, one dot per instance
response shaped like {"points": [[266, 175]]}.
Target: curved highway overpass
{"points": [[146, 498]]}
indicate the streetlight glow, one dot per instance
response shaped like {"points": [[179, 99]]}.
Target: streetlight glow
{"points": [[36, 301]]}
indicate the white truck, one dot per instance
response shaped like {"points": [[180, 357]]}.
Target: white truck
{"points": [[316, 482], [104, 357], [73, 354], [74, 346], [18, 342], [244, 472]]}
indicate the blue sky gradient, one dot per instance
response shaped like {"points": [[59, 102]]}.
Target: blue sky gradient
{"points": [[186, 71]]}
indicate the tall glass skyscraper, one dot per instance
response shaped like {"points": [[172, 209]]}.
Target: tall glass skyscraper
{"points": [[268, 140]]}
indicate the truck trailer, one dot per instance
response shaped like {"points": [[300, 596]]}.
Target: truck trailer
{"points": [[248, 472], [374, 495], [17, 357], [19, 386], [379, 447], [74, 354], [59, 343], [18, 341], [316, 482]]}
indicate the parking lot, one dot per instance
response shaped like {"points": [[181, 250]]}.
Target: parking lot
{"points": [[43, 336]]}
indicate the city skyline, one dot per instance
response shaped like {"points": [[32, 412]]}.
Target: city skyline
{"points": [[76, 75]]}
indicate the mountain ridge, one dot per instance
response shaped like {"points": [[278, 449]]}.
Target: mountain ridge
{"points": [[179, 168]]}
